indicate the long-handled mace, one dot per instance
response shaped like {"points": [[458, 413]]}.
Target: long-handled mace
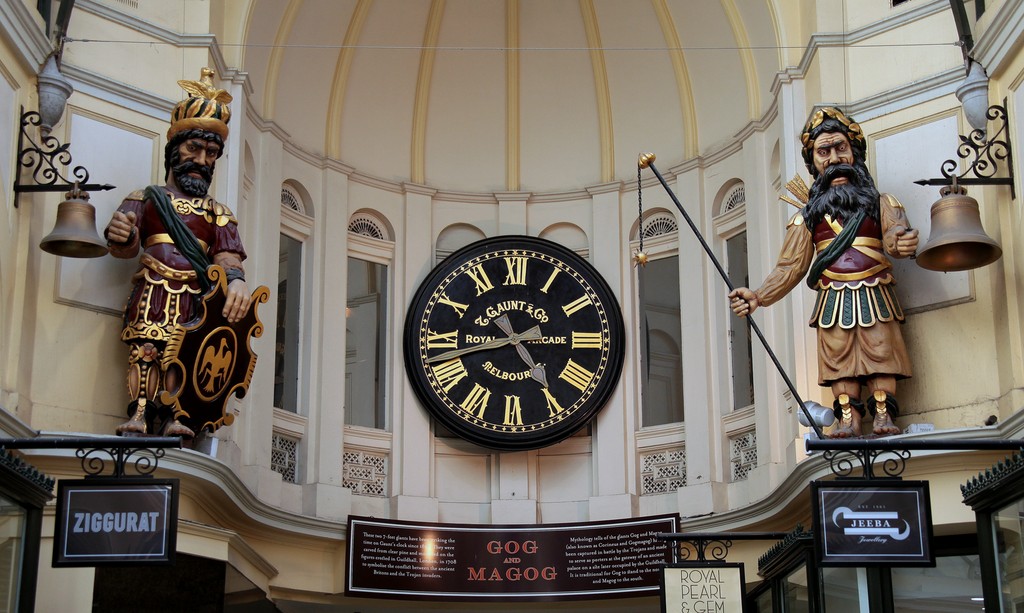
{"points": [[646, 160]]}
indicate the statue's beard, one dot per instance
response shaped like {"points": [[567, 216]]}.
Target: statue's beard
{"points": [[193, 186], [859, 193]]}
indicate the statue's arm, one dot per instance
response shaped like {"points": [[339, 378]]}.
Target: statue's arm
{"points": [[794, 260], [898, 239], [123, 231], [228, 253]]}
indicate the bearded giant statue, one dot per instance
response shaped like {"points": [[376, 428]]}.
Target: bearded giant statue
{"points": [[841, 242]]}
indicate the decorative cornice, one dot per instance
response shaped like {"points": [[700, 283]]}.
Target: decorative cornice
{"points": [[28, 38], [220, 491], [798, 538], [104, 88], [466, 197], [234, 541], [139, 98], [27, 472], [1006, 29], [993, 478]]}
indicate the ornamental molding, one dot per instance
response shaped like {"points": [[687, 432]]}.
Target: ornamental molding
{"points": [[784, 550]]}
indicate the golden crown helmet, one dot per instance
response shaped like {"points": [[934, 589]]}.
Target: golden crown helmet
{"points": [[206, 107], [850, 127]]}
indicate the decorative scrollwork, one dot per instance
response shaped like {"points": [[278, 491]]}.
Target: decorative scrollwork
{"points": [[701, 549], [983, 150], [686, 551], [45, 159], [843, 462], [716, 549], [891, 466], [987, 152], [94, 461]]}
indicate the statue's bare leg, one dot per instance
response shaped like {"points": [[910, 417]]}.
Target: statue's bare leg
{"points": [[883, 404], [848, 408]]}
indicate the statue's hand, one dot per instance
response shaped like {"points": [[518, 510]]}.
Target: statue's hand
{"points": [[237, 301], [743, 301], [906, 242], [121, 226]]}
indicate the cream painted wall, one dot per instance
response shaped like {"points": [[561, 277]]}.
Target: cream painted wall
{"points": [[61, 366]]}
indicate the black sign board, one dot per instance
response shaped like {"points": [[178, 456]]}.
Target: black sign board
{"points": [[703, 587], [116, 522], [395, 559], [873, 522]]}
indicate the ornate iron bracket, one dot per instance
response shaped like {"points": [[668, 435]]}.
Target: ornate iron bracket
{"points": [[142, 454], [842, 462], [45, 159], [986, 153], [843, 454], [711, 546]]}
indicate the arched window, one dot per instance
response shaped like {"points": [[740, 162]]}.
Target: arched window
{"points": [[660, 324], [296, 227], [730, 225], [371, 248], [740, 433]]}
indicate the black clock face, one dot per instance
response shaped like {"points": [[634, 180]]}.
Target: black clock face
{"points": [[514, 342]]}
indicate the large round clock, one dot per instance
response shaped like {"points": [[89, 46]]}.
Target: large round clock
{"points": [[514, 342]]}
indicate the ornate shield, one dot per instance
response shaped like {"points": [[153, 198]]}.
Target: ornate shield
{"points": [[209, 359]]}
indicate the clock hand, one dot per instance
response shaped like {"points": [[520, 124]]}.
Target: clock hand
{"points": [[454, 353], [536, 370], [531, 334]]}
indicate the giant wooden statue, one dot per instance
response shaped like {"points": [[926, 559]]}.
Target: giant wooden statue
{"points": [[187, 322], [840, 240]]}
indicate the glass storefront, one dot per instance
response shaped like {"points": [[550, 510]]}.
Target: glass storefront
{"points": [[12, 543]]}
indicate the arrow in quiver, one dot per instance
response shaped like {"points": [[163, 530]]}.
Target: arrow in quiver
{"points": [[209, 359]]}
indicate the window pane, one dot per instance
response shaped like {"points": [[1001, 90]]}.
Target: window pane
{"points": [[845, 590], [763, 602], [12, 537], [1010, 558], [286, 357], [365, 334], [952, 585], [661, 335], [739, 331], [794, 592]]}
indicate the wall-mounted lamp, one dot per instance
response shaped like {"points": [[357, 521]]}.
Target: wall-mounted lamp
{"points": [[973, 95], [54, 91], [75, 232], [958, 241]]}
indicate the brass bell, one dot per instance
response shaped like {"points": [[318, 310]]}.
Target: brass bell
{"points": [[74, 235], [958, 240]]}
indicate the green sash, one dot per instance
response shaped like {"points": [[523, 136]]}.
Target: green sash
{"points": [[182, 235], [836, 248]]}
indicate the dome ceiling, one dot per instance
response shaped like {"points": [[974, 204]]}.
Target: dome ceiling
{"points": [[509, 95]]}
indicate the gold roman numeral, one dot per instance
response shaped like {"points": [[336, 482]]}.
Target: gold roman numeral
{"points": [[513, 411], [576, 375], [476, 400], [553, 407], [477, 274], [449, 373], [577, 304], [554, 273], [516, 271], [586, 340], [460, 309], [449, 340]]}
